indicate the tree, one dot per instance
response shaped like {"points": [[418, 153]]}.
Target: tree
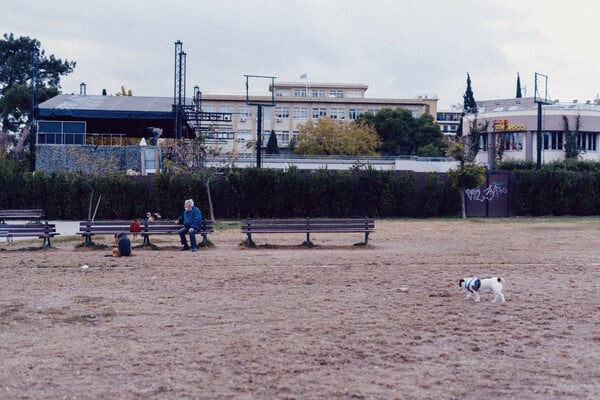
{"points": [[396, 129], [22, 64], [470, 105], [465, 150], [429, 138], [335, 137], [572, 150], [272, 147], [124, 92], [519, 95]]}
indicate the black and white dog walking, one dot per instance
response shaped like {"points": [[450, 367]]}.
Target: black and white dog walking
{"points": [[474, 285]]}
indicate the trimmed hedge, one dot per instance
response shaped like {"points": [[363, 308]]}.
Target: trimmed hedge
{"points": [[267, 193]]}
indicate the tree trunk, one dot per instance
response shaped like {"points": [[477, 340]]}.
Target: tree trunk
{"points": [[210, 203], [22, 139], [463, 202]]}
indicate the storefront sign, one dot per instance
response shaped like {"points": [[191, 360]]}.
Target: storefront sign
{"points": [[502, 125]]}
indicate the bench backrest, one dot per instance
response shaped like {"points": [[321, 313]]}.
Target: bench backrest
{"points": [[28, 228], [160, 226], [310, 225], [33, 214]]}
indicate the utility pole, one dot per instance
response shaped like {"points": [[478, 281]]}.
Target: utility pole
{"points": [[540, 99], [260, 101]]}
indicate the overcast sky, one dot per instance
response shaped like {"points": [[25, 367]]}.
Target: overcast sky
{"points": [[400, 48]]}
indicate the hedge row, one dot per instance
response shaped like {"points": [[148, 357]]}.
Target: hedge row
{"points": [[265, 193], [235, 193]]}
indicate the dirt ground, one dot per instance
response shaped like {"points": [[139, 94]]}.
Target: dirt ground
{"points": [[385, 321]]}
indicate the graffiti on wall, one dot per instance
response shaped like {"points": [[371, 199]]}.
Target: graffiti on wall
{"points": [[494, 190]]}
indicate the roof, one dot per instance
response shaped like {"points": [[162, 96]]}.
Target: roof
{"points": [[118, 107], [132, 115]]}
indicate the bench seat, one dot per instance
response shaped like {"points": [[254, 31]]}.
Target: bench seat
{"points": [[307, 226], [147, 228], [42, 231]]}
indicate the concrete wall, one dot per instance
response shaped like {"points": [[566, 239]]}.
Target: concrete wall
{"points": [[51, 157]]}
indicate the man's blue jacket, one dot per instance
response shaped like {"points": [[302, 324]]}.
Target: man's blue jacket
{"points": [[192, 218]]}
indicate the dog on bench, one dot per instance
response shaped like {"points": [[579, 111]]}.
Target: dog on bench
{"points": [[152, 216], [474, 285]]}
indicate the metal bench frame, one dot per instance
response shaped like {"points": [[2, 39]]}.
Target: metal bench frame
{"points": [[89, 228], [307, 226]]}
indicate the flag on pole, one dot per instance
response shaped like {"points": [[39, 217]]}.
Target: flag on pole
{"points": [[304, 76]]}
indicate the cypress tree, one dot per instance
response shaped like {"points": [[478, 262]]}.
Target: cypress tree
{"points": [[470, 105], [519, 95], [272, 147]]}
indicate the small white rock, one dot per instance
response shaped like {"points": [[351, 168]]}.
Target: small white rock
{"points": [[84, 266]]}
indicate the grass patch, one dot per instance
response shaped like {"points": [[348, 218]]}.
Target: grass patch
{"points": [[91, 246]]}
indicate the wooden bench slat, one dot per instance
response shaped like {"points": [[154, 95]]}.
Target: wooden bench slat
{"points": [[308, 226], [41, 231], [147, 228], [32, 214]]}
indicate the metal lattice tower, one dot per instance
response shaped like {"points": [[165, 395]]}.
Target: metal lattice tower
{"points": [[179, 90]]}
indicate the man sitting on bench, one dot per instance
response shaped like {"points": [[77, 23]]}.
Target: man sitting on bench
{"points": [[191, 220]]}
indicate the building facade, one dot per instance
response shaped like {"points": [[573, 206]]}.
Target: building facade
{"points": [[296, 104], [448, 120], [512, 126]]}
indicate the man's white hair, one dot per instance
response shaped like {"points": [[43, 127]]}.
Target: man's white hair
{"points": [[190, 201]]}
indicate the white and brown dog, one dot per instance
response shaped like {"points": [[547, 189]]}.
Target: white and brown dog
{"points": [[474, 285], [152, 216]]}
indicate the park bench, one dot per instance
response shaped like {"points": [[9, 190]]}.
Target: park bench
{"points": [[44, 231], [307, 226], [34, 215], [87, 229]]}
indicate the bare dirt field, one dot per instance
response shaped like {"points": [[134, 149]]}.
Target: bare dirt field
{"points": [[385, 321]]}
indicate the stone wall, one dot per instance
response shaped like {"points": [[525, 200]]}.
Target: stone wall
{"points": [[71, 158]]}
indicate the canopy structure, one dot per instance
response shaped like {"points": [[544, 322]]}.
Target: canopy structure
{"points": [[129, 115]]}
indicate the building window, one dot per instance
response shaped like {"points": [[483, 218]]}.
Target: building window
{"points": [[483, 142], [512, 141], [266, 113], [336, 93], [245, 112], [373, 111], [282, 112], [552, 140], [300, 92], [354, 94], [354, 113], [337, 113], [586, 141], [59, 132], [226, 109], [319, 112], [244, 135], [318, 92], [300, 113], [283, 137], [282, 93], [209, 109]]}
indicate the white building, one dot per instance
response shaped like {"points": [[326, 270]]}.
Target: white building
{"points": [[513, 123], [296, 104]]}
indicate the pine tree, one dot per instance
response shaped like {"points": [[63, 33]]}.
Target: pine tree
{"points": [[519, 95], [470, 105], [272, 147]]}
